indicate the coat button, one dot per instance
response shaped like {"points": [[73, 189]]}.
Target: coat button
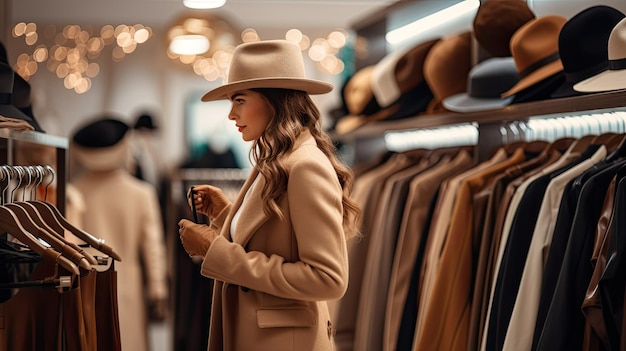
{"points": [[244, 289]]}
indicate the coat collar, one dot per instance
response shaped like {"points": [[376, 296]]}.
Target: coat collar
{"points": [[252, 215]]}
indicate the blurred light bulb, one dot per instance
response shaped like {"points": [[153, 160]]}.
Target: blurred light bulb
{"points": [[203, 4], [191, 44]]}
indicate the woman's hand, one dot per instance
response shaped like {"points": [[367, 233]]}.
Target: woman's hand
{"points": [[196, 238], [209, 200]]}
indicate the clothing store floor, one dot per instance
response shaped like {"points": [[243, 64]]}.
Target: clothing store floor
{"points": [[160, 336]]}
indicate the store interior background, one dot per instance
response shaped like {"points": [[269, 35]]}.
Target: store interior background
{"points": [[148, 80]]}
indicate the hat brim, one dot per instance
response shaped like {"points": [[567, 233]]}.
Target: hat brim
{"points": [[566, 90], [535, 77], [465, 103], [603, 81], [541, 90], [350, 123], [310, 86], [11, 111]]}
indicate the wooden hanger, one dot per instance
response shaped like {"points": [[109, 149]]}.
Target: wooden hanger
{"points": [[33, 223], [11, 224], [51, 214]]}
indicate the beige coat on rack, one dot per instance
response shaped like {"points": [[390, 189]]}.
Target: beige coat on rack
{"points": [[136, 232]]}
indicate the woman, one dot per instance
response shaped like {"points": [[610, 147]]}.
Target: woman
{"points": [[278, 253]]}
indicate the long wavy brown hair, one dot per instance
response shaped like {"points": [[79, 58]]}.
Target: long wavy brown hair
{"points": [[295, 111]]}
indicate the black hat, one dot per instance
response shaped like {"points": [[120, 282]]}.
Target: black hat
{"points": [[20, 91], [7, 86], [582, 46], [101, 133], [145, 121]]}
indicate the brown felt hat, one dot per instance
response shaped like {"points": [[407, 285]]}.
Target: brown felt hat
{"points": [[535, 49], [496, 21], [447, 67]]}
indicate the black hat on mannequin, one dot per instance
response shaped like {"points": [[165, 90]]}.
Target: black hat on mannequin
{"points": [[145, 122], [101, 144]]}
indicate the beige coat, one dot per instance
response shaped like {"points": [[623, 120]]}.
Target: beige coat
{"points": [[124, 212], [272, 284]]}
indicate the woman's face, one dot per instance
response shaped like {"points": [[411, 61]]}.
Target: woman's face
{"points": [[251, 113]]}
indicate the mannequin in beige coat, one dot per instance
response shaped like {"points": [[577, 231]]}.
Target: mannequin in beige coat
{"points": [[278, 253], [124, 211]]}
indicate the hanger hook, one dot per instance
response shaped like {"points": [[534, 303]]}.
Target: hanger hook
{"points": [[50, 171], [5, 176]]}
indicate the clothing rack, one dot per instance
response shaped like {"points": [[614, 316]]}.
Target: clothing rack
{"points": [[11, 142], [191, 297]]}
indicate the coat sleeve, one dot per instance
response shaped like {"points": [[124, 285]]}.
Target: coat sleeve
{"points": [[320, 272]]}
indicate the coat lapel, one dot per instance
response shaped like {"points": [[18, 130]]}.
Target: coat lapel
{"points": [[252, 215]]}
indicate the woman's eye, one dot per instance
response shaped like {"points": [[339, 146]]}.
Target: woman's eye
{"points": [[239, 101]]}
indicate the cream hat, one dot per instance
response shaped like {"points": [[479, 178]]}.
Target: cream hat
{"points": [[267, 64]]}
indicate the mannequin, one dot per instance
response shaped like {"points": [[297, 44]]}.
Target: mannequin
{"points": [[124, 211]]}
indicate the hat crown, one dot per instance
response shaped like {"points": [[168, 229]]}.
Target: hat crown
{"points": [[267, 64], [101, 133], [267, 59], [492, 77], [448, 64], [617, 41], [496, 21]]}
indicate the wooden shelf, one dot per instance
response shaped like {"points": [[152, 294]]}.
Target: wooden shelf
{"points": [[515, 112]]}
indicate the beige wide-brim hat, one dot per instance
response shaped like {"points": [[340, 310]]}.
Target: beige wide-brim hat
{"points": [[267, 64]]}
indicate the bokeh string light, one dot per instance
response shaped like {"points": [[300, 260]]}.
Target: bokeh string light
{"points": [[75, 49], [73, 52]]}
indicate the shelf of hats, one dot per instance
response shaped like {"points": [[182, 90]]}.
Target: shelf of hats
{"points": [[515, 74]]}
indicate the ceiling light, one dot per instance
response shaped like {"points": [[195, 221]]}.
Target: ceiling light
{"points": [[189, 44], [204, 4], [447, 15]]}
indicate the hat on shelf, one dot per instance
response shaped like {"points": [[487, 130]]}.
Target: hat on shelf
{"points": [[487, 80], [535, 49], [359, 102], [399, 72], [614, 77], [145, 122], [396, 84], [7, 89], [446, 68], [583, 46], [496, 21], [358, 95], [267, 64], [101, 144]]}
